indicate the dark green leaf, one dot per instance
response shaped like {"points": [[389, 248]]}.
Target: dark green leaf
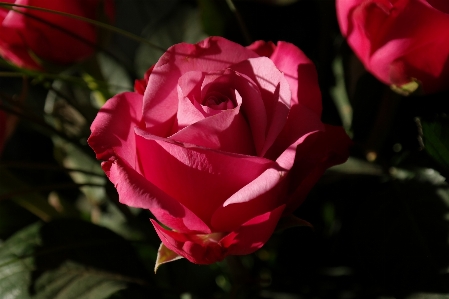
{"points": [[67, 259], [436, 139]]}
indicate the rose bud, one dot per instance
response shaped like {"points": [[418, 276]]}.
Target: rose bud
{"points": [[30, 38], [223, 142], [403, 43]]}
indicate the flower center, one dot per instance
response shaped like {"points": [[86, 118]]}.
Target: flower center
{"points": [[218, 101], [214, 101]]}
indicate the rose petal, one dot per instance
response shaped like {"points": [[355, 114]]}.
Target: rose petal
{"points": [[113, 128], [259, 196], [262, 48], [301, 121], [189, 95], [314, 156], [253, 234], [301, 75], [263, 194], [135, 191], [275, 94], [200, 179], [190, 246], [226, 131], [253, 106], [391, 41], [160, 99]]}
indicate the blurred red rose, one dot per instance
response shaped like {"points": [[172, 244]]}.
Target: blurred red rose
{"points": [[221, 144], [400, 41], [28, 36]]}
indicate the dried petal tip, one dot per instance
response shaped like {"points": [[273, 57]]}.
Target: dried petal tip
{"points": [[165, 255], [412, 87]]}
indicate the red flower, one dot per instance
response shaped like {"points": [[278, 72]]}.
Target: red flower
{"points": [[400, 41], [222, 143], [29, 36]]}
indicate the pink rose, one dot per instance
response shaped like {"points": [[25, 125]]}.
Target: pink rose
{"points": [[400, 41], [222, 143], [30, 35]]}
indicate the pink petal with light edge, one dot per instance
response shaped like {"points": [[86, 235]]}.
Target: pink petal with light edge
{"points": [[275, 93], [317, 154], [189, 93], [113, 128], [226, 131], [263, 194], [160, 98], [199, 178], [301, 75], [253, 106], [190, 246], [135, 191], [301, 121], [253, 234]]}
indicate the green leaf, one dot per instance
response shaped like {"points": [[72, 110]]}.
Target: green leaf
{"points": [[67, 259], [32, 200], [436, 139], [16, 263]]}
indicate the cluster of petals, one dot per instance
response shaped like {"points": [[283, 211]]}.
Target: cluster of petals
{"points": [[219, 141]]}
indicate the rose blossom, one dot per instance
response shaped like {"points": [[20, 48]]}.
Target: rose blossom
{"points": [[30, 36], [221, 144], [399, 41]]}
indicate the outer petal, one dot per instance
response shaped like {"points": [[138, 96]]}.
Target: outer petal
{"points": [[314, 156], [263, 194], [135, 191], [160, 98], [200, 249], [113, 128], [262, 48], [301, 75], [253, 234], [190, 246], [201, 179]]}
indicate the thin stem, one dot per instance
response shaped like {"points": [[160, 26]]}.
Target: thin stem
{"points": [[90, 21], [50, 187], [19, 164], [45, 126], [239, 18]]}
